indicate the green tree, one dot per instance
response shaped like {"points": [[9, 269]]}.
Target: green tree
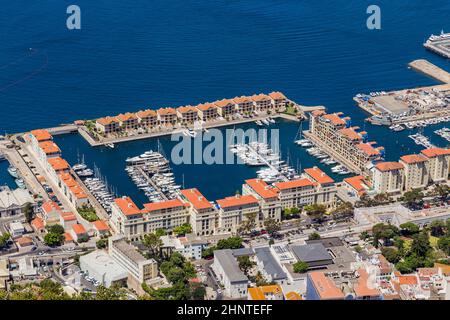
{"points": [[197, 291], [421, 244], [314, 236], [409, 228], [444, 245], [343, 211], [56, 228], [300, 267], [53, 239], [316, 211], [183, 229], [437, 228], [160, 232], [245, 264], [153, 242], [392, 255], [384, 232], [249, 223], [175, 275], [413, 197], [28, 212], [102, 243], [272, 226], [230, 243], [112, 293], [4, 239]]}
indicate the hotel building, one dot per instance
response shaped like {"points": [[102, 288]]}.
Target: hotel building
{"points": [[147, 118], [267, 196], [167, 116], [296, 193], [226, 108], [416, 171], [388, 177], [203, 215], [187, 114], [438, 163], [107, 125], [207, 111], [234, 210], [132, 222], [348, 144]]}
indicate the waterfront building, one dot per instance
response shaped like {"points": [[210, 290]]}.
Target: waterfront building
{"points": [[226, 108], [349, 145], [128, 121], [202, 213], [207, 111], [262, 102], [132, 222], [167, 116], [187, 115], [416, 171], [140, 269], [46, 150], [13, 202], [438, 163], [325, 188], [147, 118], [100, 266], [37, 136], [388, 177], [234, 210], [296, 193], [279, 100], [107, 125], [72, 190], [270, 205], [244, 105], [57, 166], [229, 274]]}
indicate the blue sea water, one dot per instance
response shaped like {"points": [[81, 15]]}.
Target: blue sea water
{"points": [[135, 54]]}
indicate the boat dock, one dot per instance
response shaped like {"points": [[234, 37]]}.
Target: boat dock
{"points": [[430, 70]]}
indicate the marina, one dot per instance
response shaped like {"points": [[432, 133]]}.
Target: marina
{"points": [[421, 140], [439, 44], [444, 133]]}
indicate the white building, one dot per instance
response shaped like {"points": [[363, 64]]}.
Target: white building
{"points": [[12, 202], [388, 177], [416, 171], [99, 265], [439, 163], [230, 276]]}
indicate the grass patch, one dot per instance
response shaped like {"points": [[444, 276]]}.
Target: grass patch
{"points": [[88, 213]]}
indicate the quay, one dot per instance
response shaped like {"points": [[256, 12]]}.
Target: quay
{"points": [[430, 70], [267, 163], [152, 183], [439, 46]]}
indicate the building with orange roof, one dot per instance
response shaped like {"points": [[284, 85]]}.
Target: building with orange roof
{"points": [[364, 288], [321, 287], [438, 164], [234, 210], [226, 108], [72, 190], [357, 185], [279, 100], [67, 219], [244, 105], [187, 114], [147, 118], [68, 238], [270, 292], [388, 177], [292, 295], [107, 125], [78, 233], [202, 212], [56, 166], [416, 171], [167, 116], [207, 111], [24, 241], [38, 225], [100, 227], [50, 212], [48, 149], [267, 196], [128, 121], [262, 102], [133, 223], [41, 135]]}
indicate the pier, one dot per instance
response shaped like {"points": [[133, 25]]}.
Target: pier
{"points": [[267, 163], [430, 70], [152, 183], [440, 47]]}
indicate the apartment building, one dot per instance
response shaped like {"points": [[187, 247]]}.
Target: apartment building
{"points": [[234, 210], [226, 268], [167, 116], [207, 111], [262, 102], [357, 185], [279, 100], [187, 114], [57, 166], [139, 268], [416, 171], [39, 136], [50, 212], [388, 177], [128, 121], [147, 118], [267, 196], [438, 164], [325, 188], [244, 105], [48, 149], [226, 108], [72, 190], [132, 222], [203, 216], [296, 193], [107, 125], [336, 133]]}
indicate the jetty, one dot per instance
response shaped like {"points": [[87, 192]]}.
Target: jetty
{"points": [[430, 70]]}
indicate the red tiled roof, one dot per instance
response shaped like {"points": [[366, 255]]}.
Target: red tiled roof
{"points": [[79, 229], [58, 163], [413, 158], [324, 286], [361, 288], [260, 97], [196, 198], [434, 152], [389, 166], [68, 216], [50, 206], [351, 134], [41, 135], [357, 183], [127, 206], [126, 116], [294, 184], [334, 118], [100, 225], [37, 223], [107, 120], [368, 149], [68, 237], [237, 201], [187, 109], [261, 188], [166, 111], [242, 99], [318, 175], [276, 95], [206, 106], [175, 203], [224, 102], [146, 113], [49, 147]]}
